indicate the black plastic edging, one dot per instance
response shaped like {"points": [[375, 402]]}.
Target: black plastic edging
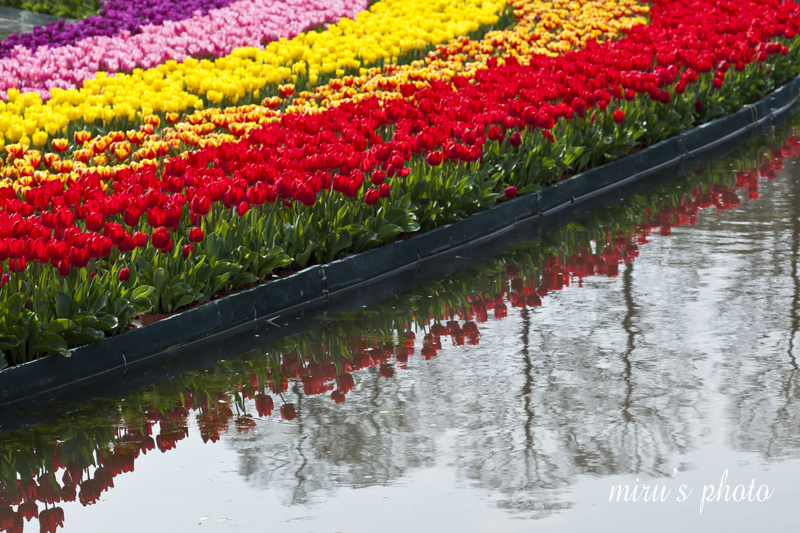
{"points": [[436, 251]]}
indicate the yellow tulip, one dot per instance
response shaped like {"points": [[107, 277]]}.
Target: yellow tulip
{"points": [[39, 138]]}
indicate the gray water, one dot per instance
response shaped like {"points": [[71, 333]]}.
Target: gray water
{"points": [[20, 21], [677, 372]]}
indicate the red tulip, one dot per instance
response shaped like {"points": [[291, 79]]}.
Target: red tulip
{"points": [[372, 196], [384, 190], [377, 177], [94, 222], [160, 238], [16, 265], [131, 216], [408, 89], [79, 257], [64, 267], [434, 159], [140, 239], [115, 232], [196, 235], [172, 217], [64, 218], [619, 116], [515, 140], [495, 133], [48, 219], [510, 192], [306, 195], [187, 250], [124, 274], [200, 205]]}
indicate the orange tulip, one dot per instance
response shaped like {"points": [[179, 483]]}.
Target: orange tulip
{"points": [[271, 102], [122, 153], [17, 150], [82, 137], [82, 155], [50, 159], [34, 159], [286, 90], [60, 145]]}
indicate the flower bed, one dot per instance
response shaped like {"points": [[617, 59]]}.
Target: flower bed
{"points": [[221, 199]]}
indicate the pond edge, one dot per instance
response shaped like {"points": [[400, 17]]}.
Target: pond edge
{"points": [[316, 286]]}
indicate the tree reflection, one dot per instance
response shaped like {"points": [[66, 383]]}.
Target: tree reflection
{"points": [[765, 406]]}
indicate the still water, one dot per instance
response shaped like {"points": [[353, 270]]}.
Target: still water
{"points": [[648, 352]]}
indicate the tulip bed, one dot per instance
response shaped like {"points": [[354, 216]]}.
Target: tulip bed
{"points": [[118, 201]]}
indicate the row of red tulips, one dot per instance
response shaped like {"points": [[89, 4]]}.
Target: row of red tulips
{"points": [[81, 260]]}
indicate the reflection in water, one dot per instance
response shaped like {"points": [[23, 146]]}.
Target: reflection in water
{"points": [[549, 393]]}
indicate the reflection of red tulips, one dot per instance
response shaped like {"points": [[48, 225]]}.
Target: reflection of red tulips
{"points": [[387, 371], [244, 424], [345, 382], [89, 494], [29, 510], [51, 519], [337, 396], [288, 412], [264, 404], [214, 423], [69, 493], [11, 521], [471, 331]]}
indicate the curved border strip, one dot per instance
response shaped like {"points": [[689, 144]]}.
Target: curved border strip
{"points": [[377, 274]]}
